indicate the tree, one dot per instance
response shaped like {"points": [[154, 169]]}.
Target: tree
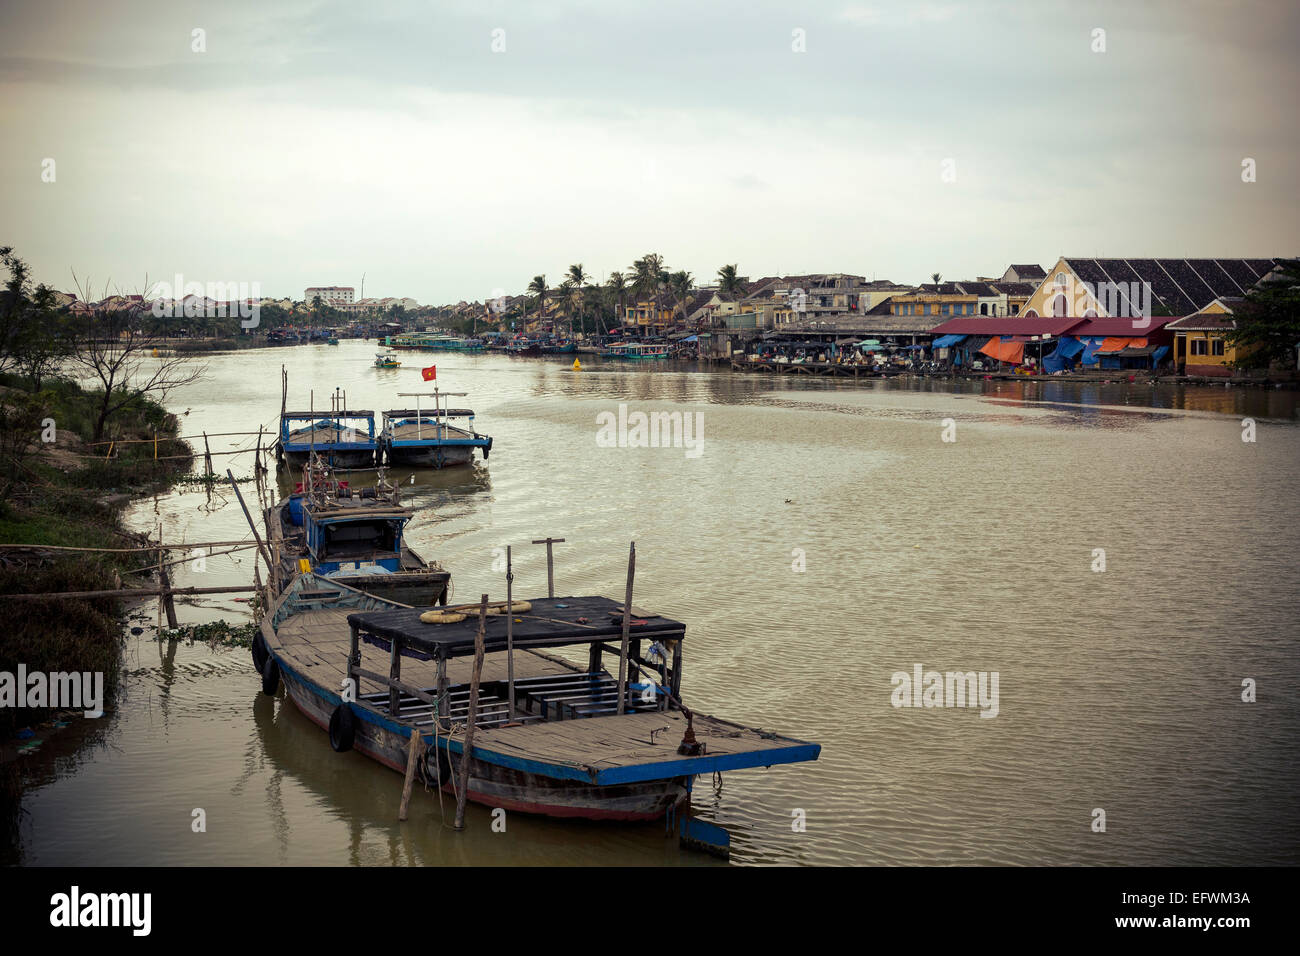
{"points": [[538, 288], [31, 337], [937, 279], [729, 280], [617, 286], [648, 281], [112, 346], [1268, 324], [680, 283], [576, 280]]}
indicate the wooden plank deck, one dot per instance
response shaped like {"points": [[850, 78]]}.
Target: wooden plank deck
{"points": [[619, 741]]}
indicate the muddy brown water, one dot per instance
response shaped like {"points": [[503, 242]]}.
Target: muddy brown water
{"points": [[825, 539]]}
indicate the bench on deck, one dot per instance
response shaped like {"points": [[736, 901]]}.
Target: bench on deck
{"points": [[552, 697]]}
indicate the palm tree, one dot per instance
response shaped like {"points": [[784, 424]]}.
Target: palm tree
{"points": [[538, 288], [577, 279], [617, 286], [680, 283], [937, 279], [648, 279], [729, 281]]}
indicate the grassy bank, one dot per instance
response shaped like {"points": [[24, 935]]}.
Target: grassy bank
{"points": [[70, 493]]}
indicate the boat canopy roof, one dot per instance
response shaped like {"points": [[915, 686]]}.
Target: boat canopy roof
{"points": [[324, 413], [429, 413], [550, 622]]}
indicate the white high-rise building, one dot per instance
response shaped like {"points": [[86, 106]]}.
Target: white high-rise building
{"points": [[335, 295]]}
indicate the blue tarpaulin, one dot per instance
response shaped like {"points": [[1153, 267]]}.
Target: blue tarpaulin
{"points": [[1091, 344], [947, 341], [1059, 359]]}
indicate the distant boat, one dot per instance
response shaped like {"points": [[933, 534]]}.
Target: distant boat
{"points": [[636, 352], [434, 342], [524, 347], [351, 534], [386, 360], [425, 438]]}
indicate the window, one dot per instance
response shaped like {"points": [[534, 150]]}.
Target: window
{"points": [[1060, 306], [1198, 346], [1060, 280], [1216, 346], [984, 308], [1031, 314]]}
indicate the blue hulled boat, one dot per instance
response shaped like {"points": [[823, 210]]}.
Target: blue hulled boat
{"points": [[606, 739]]}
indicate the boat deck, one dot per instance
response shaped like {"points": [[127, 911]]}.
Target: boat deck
{"points": [[633, 739], [427, 432]]}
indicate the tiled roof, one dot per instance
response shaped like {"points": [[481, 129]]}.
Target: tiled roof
{"points": [[1029, 270], [1178, 286], [1011, 325], [1203, 322]]}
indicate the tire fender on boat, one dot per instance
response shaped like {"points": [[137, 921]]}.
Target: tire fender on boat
{"points": [[343, 728], [259, 653], [270, 676]]}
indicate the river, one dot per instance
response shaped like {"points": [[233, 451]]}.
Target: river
{"points": [[825, 538]]}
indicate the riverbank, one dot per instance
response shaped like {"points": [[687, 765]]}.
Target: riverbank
{"points": [[64, 492]]}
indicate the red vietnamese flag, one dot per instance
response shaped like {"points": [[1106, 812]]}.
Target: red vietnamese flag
{"points": [[429, 373]]}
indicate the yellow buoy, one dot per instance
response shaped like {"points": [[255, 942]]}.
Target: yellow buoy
{"points": [[577, 366]]}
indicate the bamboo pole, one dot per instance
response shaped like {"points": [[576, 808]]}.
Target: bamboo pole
{"points": [[256, 537], [162, 588], [468, 747], [412, 759], [138, 550], [510, 634], [123, 592], [550, 563], [627, 627]]}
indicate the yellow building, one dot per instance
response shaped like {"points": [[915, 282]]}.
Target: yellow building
{"points": [[1200, 340], [943, 301], [650, 315]]}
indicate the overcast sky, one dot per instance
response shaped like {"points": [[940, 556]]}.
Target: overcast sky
{"points": [[311, 141]]}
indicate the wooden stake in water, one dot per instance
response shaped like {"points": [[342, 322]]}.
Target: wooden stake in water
{"points": [[510, 634], [412, 759], [468, 747], [550, 563], [627, 627]]}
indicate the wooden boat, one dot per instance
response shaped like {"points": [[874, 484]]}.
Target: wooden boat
{"points": [[344, 439], [549, 735], [523, 347], [636, 352], [435, 342], [412, 437], [336, 532], [386, 360]]}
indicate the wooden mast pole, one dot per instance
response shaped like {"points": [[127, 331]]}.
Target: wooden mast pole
{"points": [[510, 634], [627, 627]]}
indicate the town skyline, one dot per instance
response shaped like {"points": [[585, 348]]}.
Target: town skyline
{"points": [[449, 152]]}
